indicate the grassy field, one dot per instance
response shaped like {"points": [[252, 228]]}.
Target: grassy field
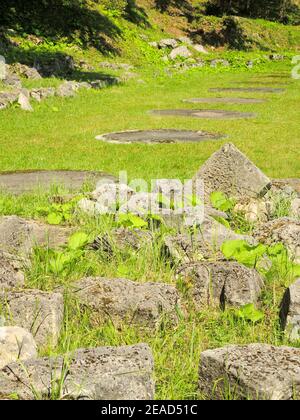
{"points": [[60, 134]]}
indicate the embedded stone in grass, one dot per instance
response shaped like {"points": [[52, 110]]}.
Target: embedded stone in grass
{"points": [[27, 181], [39, 312], [224, 101], [124, 301], [103, 373], [11, 274], [293, 183], [204, 245], [228, 170], [290, 311], [15, 344], [221, 283], [20, 236], [159, 136], [250, 89], [214, 114], [284, 230], [255, 371]]}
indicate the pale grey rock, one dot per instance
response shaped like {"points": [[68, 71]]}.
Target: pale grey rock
{"points": [[25, 71], [283, 230], [112, 195], [40, 94], [180, 52], [67, 89], [203, 244], [11, 274], [122, 240], [8, 98], [24, 102], [15, 344], [219, 62], [255, 371], [12, 80], [295, 208], [104, 373], [92, 208], [125, 301], [142, 204], [290, 311], [231, 172], [221, 284], [116, 66], [20, 236], [254, 210], [168, 43], [199, 48], [153, 44], [39, 312]]}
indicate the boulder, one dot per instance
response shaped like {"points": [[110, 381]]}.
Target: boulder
{"points": [[290, 312], [15, 344], [180, 52], [92, 208], [103, 373], [18, 235], [112, 195], [199, 48], [11, 274], [201, 245], [8, 98], [219, 62], [122, 240], [292, 183], [295, 208], [12, 80], [221, 283], [231, 172], [142, 204], [255, 371], [67, 89], [167, 43], [41, 313], [25, 71], [42, 93], [121, 300], [283, 230], [55, 66], [254, 210], [24, 102]]}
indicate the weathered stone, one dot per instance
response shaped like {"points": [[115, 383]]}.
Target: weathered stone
{"points": [[293, 183], [67, 89], [255, 371], [58, 65], [283, 230], [295, 208], [290, 311], [180, 52], [142, 204], [203, 245], [18, 235], [116, 66], [221, 283], [254, 210], [41, 313], [42, 93], [8, 98], [25, 71], [121, 240], [231, 172], [15, 344], [167, 43], [112, 195], [12, 80], [24, 102], [104, 373], [199, 48], [219, 62], [11, 275], [121, 300]]}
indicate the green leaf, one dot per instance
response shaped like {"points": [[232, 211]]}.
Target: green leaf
{"points": [[250, 313], [132, 221], [223, 221], [78, 241], [242, 252], [221, 202], [54, 219]]}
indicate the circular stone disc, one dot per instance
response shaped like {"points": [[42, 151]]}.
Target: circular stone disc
{"points": [[224, 101], [158, 136], [27, 181], [205, 113], [252, 89]]}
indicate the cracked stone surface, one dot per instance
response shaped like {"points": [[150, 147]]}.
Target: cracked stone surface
{"points": [[11, 272], [290, 311], [103, 373], [255, 371]]}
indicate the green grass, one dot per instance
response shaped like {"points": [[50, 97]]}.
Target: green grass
{"points": [[60, 133]]}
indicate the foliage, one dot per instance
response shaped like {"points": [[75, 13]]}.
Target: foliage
{"points": [[221, 202]]}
